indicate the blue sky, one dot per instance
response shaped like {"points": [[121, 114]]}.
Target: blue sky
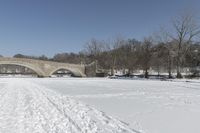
{"points": [[36, 27]]}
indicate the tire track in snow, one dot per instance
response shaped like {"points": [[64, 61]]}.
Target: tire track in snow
{"points": [[27, 107]]}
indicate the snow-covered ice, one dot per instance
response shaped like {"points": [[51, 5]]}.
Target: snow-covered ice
{"points": [[27, 107], [149, 106], [99, 105]]}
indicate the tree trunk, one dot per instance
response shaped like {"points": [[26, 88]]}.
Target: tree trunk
{"points": [[129, 72], [146, 75], [158, 70], [112, 71], [178, 60], [113, 66], [169, 66], [178, 73]]}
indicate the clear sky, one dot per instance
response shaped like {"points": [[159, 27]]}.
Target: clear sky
{"points": [[36, 27]]}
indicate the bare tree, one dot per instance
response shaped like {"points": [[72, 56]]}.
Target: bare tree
{"points": [[186, 29], [116, 52], [129, 55], [146, 55], [94, 48], [167, 49]]}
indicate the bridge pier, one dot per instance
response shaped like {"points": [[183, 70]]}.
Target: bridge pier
{"points": [[90, 70]]}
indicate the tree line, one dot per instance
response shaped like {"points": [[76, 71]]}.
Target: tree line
{"points": [[162, 52]]}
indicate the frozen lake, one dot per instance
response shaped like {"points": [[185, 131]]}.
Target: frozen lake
{"points": [[147, 106]]}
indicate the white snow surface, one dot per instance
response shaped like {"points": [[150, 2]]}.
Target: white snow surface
{"points": [[27, 107], [59, 105], [148, 106]]}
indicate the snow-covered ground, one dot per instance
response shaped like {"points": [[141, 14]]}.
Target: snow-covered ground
{"points": [[27, 107], [72, 104]]}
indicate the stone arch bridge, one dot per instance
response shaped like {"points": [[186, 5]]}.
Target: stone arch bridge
{"points": [[47, 68]]}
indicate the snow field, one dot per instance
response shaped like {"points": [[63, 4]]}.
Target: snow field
{"points": [[149, 106], [27, 107]]}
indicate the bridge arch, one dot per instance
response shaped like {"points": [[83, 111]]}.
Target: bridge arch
{"points": [[76, 73], [38, 72]]}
